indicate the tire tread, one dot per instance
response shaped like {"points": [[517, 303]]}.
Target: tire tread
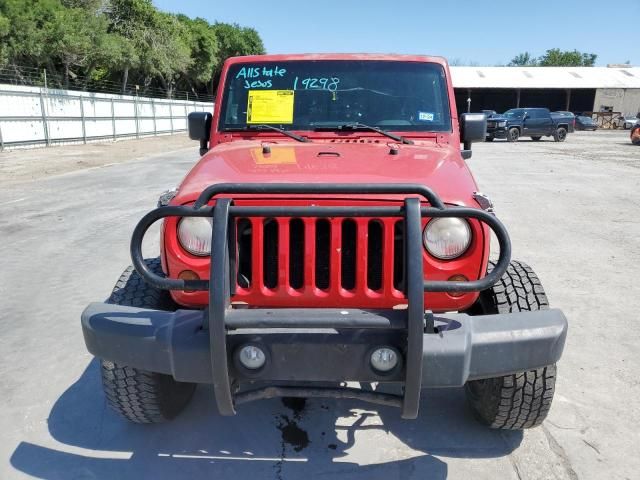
{"points": [[138, 395], [523, 399]]}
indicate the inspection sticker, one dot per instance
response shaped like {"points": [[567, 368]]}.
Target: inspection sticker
{"points": [[425, 116], [270, 106]]}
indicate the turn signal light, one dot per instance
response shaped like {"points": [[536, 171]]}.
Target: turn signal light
{"points": [[188, 275], [457, 278]]}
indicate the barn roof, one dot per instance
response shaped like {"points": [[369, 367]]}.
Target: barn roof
{"points": [[545, 77]]}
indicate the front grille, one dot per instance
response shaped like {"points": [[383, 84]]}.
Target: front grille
{"points": [[325, 255], [491, 124]]}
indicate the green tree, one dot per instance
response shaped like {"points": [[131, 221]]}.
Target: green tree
{"points": [[524, 59], [80, 42], [160, 42], [234, 40], [166, 54], [4, 31], [24, 39], [559, 58], [204, 54], [131, 20], [74, 37]]}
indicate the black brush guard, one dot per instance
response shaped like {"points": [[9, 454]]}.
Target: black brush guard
{"points": [[220, 316]]}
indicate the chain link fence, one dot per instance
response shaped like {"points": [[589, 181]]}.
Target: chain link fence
{"points": [[40, 77]]}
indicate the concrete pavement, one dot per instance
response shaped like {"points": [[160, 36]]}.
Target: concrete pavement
{"points": [[572, 211]]}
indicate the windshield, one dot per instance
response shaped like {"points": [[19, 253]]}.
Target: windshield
{"points": [[307, 95], [514, 113]]}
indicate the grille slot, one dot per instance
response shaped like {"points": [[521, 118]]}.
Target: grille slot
{"points": [[296, 253], [270, 253], [348, 255], [374, 254], [323, 260], [245, 240], [398, 255]]}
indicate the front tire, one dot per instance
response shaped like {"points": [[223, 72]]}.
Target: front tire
{"points": [[513, 134], [560, 135], [138, 395], [521, 400]]}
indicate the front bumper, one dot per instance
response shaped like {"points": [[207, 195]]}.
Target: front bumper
{"points": [[497, 132], [305, 348], [462, 348]]}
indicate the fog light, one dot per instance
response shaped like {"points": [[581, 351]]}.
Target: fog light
{"points": [[252, 357], [384, 359]]}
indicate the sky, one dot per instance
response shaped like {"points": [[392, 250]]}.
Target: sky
{"points": [[464, 31]]}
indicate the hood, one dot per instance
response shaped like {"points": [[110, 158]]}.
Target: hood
{"points": [[352, 160]]}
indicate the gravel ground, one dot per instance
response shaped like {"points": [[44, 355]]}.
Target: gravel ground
{"points": [[17, 166], [572, 213]]}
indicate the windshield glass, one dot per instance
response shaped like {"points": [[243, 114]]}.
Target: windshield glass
{"points": [[305, 95], [514, 113]]}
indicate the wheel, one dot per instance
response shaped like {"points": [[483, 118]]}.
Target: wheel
{"points": [[521, 400], [138, 395], [489, 139], [536, 138], [560, 135], [513, 134]]}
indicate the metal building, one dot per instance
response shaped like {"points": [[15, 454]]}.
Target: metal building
{"points": [[577, 89]]}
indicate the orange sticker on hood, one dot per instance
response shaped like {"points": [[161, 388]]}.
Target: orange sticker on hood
{"points": [[277, 156]]}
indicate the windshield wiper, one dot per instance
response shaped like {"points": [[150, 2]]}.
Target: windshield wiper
{"points": [[362, 126], [248, 128]]}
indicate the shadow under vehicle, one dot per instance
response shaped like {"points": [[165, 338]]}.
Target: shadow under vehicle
{"points": [[269, 440]]}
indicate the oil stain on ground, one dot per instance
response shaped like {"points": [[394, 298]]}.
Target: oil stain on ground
{"points": [[292, 434]]}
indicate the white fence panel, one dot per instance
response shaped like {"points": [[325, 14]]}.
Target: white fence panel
{"points": [[34, 116]]}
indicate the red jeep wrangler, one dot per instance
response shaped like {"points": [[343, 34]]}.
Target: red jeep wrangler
{"points": [[327, 235]]}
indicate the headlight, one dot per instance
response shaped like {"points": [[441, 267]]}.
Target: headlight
{"points": [[502, 124], [194, 234], [447, 238]]}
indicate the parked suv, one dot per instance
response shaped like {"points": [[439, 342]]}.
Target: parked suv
{"points": [[528, 122], [331, 233]]}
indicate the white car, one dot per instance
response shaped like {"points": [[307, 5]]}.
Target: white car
{"points": [[626, 121]]}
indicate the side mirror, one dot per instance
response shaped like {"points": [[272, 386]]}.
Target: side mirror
{"points": [[473, 128], [199, 124]]}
